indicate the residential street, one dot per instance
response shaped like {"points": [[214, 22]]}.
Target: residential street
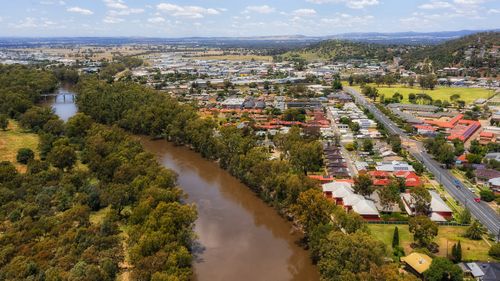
{"points": [[487, 216]]}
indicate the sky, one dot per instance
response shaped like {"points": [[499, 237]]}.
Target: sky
{"points": [[174, 18]]}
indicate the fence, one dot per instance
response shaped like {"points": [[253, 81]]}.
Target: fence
{"points": [[446, 223]]}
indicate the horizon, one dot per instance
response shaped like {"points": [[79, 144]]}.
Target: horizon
{"points": [[473, 31], [216, 18]]}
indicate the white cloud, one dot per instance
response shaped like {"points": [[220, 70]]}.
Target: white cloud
{"points": [[490, 11], [304, 12], [125, 12], [79, 10], [264, 9], [353, 4], [51, 2], [156, 20], [186, 11], [435, 5], [30, 22], [112, 20], [116, 4]]}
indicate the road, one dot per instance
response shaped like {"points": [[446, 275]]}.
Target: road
{"points": [[350, 163], [481, 211]]}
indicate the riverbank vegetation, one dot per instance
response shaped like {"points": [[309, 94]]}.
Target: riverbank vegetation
{"points": [[339, 242], [47, 214]]}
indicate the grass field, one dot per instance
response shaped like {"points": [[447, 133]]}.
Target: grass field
{"points": [[471, 249], [12, 140], [234, 58], [468, 95]]}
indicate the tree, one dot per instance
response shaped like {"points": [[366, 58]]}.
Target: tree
{"points": [[446, 154], [465, 216], [62, 157], [421, 199], [306, 157], [475, 231], [368, 145], [389, 195], [424, 230], [24, 155], [342, 256], [363, 185], [442, 269], [487, 195], [495, 251], [456, 252], [395, 238], [312, 209], [337, 85], [4, 122]]}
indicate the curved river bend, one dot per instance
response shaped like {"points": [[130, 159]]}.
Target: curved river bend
{"points": [[239, 236]]}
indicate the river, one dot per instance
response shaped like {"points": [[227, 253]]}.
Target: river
{"points": [[239, 236]]}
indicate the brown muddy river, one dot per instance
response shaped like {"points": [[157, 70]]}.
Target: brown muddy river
{"points": [[240, 237]]}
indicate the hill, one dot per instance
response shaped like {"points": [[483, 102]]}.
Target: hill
{"points": [[477, 50], [342, 50]]}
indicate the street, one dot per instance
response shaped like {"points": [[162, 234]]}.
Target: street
{"points": [[481, 211]]}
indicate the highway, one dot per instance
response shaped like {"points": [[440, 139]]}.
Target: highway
{"points": [[481, 211]]}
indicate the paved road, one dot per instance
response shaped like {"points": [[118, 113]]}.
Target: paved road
{"points": [[350, 163], [481, 211]]}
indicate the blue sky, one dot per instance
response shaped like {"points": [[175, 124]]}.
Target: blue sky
{"points": [[173, 18]]}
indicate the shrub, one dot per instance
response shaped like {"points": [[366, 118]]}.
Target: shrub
{"points": [[24, 155], [495, 251], [487, 195]]}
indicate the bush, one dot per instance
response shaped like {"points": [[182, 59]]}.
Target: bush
{"points": [[487, 195], [495, 251], [24, 155]]}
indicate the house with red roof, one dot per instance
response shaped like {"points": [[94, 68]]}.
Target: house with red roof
{"points": [[383, 178]]}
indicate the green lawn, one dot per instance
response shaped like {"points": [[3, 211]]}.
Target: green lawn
{"points": [[468, 95], [471, 249], [12, 140]]}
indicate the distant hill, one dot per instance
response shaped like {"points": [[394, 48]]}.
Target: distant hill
{"points": [[477, 50], [342, 50], [405, 38]]}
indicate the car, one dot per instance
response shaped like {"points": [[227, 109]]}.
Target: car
{"points": [[477, 199]]}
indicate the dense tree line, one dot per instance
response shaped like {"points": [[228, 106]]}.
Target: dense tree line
{"points": [[21, 87], [50, 225], [338, 241]]}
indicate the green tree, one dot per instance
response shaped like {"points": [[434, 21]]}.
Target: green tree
{"points": [[465, 216], [475, 231], [363, 185], [389, 195], [487, 195], [495, 251], [446, 154], [424, 230], [4, 122], [442, 269], [395, 238], [368, 145], [24, 155], [312, 209], [421, 199], [62, 157]]}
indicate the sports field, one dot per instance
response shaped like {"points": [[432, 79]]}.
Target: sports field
{"points": [[469, 95]]}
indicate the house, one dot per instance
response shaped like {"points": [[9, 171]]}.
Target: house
{"points": [[417, 263], [483, 271], [394, 166], [342, 194], [439, 211], [484, 175], [486, 137], [494, 184]]}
